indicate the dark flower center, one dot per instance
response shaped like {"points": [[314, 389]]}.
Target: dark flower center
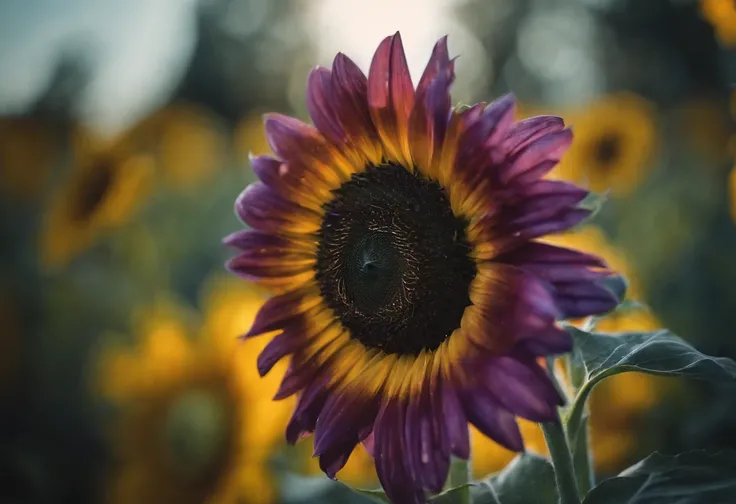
{"points": [[393, 260], [608, 149], [93, 188]]}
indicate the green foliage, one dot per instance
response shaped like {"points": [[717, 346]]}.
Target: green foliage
{"points": [[658, 353], [693, 478], [528, 478]]}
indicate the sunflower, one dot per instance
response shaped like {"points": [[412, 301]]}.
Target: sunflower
{"points": [[186, 141], [616, 139], [194, 424], [104, 189], [398, 237], [722, 15]]}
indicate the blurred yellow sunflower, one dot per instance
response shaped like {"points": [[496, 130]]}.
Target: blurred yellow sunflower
{"points": [[27, 149], [105, 187], [186, 141], [615, 137], [721, 14], [196, 425]]}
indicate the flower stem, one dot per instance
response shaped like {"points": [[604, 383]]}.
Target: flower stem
{"points": [[460, 475], [582, 459], [559, 451], [562, 461]]}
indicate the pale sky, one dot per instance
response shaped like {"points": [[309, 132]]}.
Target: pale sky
{"points": [[138, 49], [356, 27]]}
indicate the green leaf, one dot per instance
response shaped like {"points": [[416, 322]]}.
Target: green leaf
{"points": [[529, 478], [657, 352], [483, 493], [375, 495], [457, 495], [450, 496], [689, 478]]}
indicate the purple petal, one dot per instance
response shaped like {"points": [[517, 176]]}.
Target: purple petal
{"points": [[369, 443], [492, 419], [267, 170], [495, 121], [262, 208], [530, 130], [390, 459], [535, 173], [549, 341], [334, 459], [280, 310], [456, 423], [295, 181], [272, 268], [389, 82], [520, 389], [427, 448], [319, 105], [525, 165], [297, 377], [343, 416], [556, 264], [555, 189], [439, 61], [512, 304], [565, 219], [581, 299], [311, 401], [283, 344], [350, 88], [253, 239], [290, 138], [482, 135], [428, 121], [304, 151], [391, 95]]}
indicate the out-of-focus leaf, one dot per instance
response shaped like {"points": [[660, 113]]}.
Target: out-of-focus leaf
{"points": [[528, 478], [689, 478]]}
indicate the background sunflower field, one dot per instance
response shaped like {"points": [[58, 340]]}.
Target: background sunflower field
{"points": [[125, 131]]}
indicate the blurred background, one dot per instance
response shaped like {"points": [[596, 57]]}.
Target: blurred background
{"points": [[125, 128]]}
